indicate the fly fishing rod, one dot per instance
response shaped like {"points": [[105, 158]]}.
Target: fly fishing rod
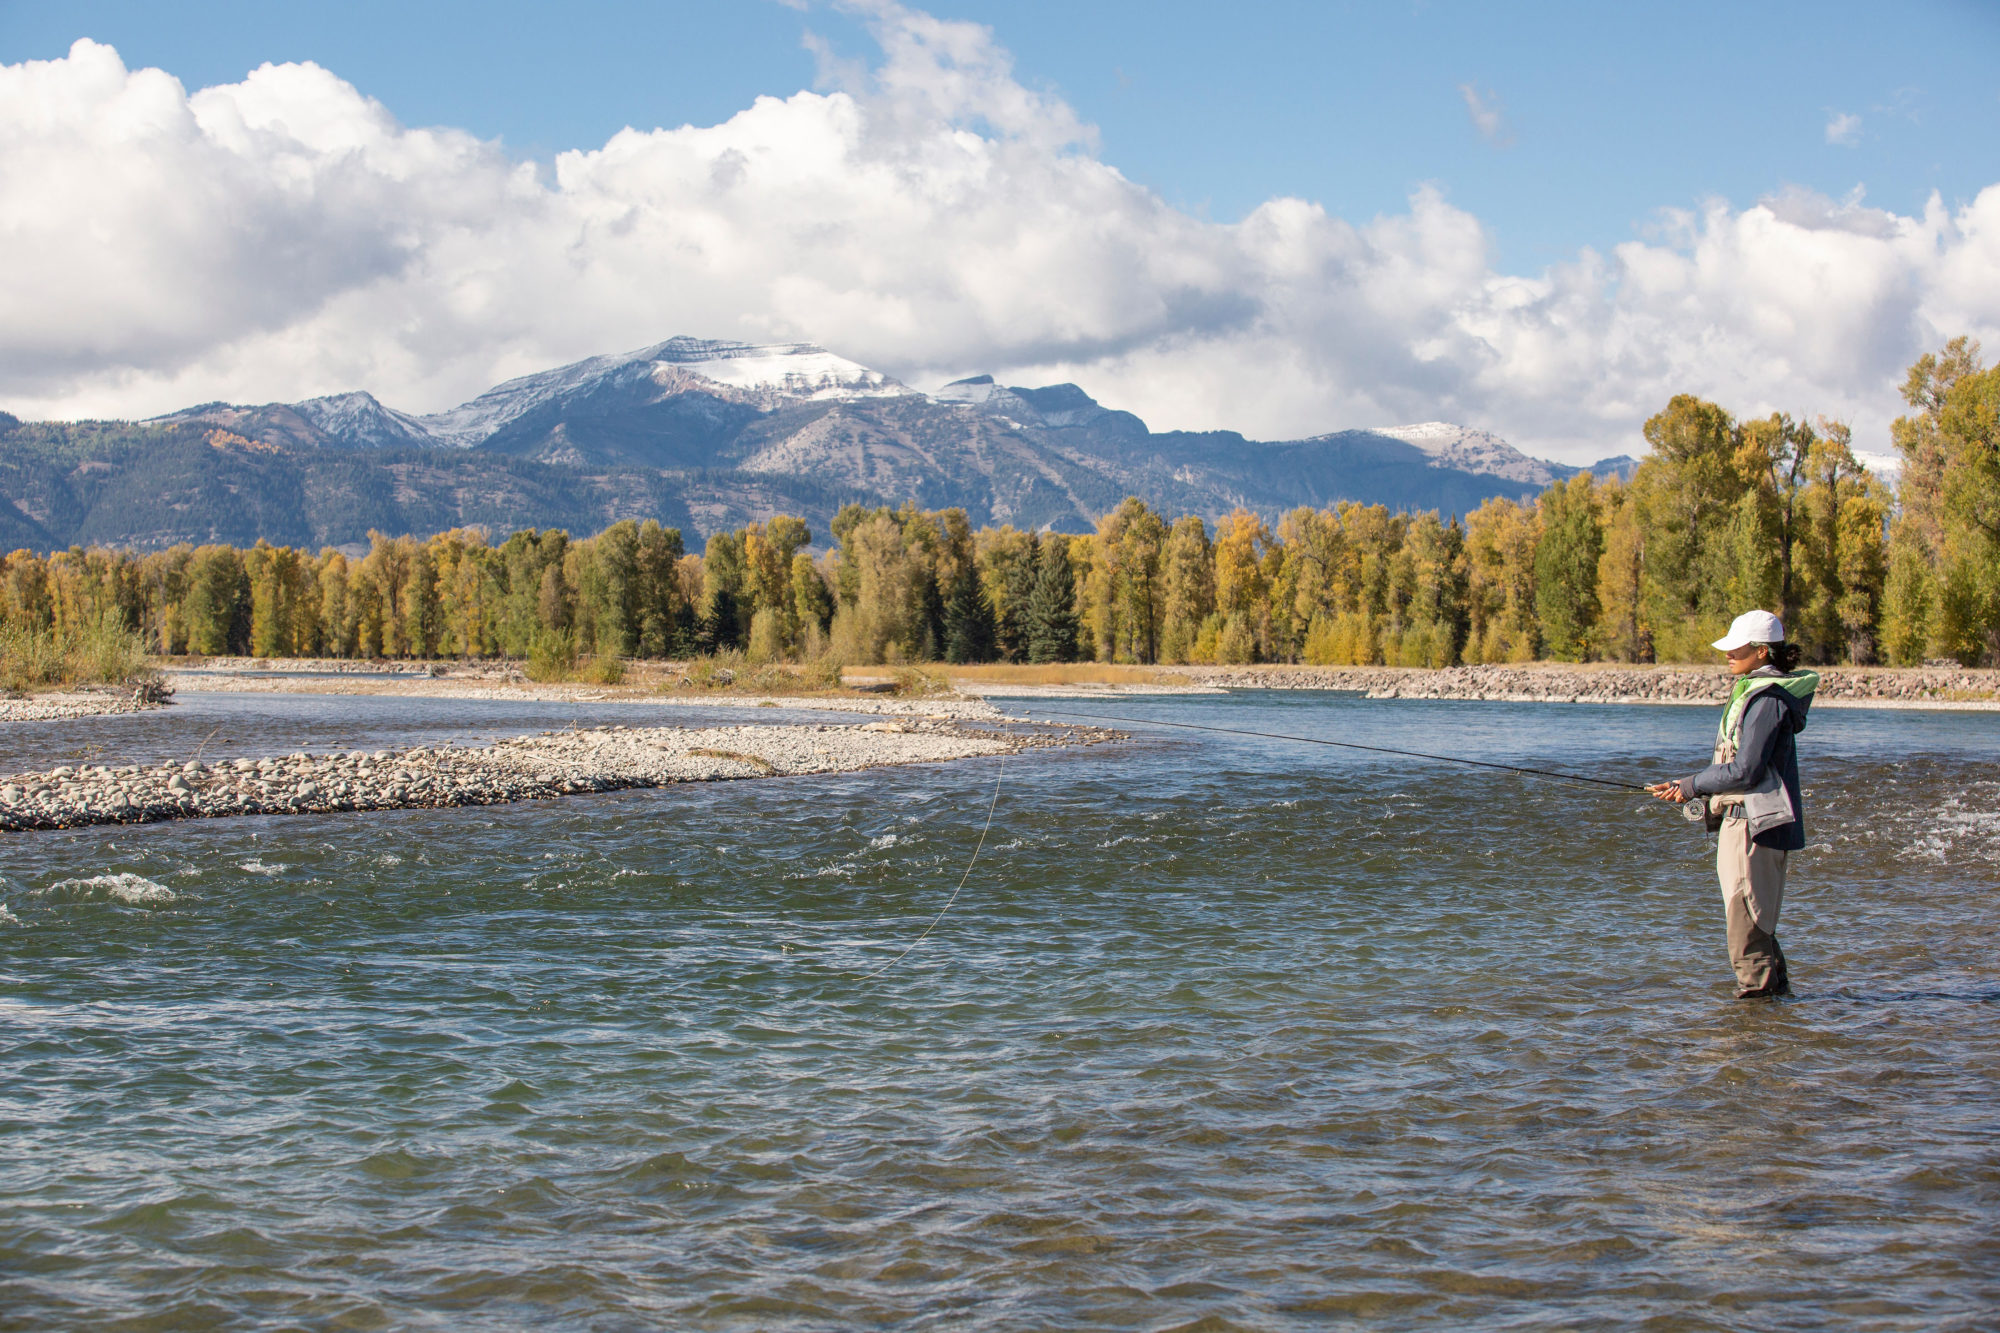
{"points": [[1356, 745]]}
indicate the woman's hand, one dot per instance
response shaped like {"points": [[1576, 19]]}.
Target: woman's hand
{"points": [[1668, 791]]}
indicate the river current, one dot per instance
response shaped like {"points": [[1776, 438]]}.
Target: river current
{"points": [[1221, 1033]]}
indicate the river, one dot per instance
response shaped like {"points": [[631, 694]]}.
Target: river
{"points": [[1221, 1033]]}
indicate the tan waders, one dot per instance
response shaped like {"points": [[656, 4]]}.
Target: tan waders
{"points": [[1753, 889]]}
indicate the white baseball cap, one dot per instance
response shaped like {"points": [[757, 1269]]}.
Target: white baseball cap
{"points": [[1752, 627]]}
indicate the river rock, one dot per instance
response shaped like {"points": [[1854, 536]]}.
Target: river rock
{"points": [[1545, 682]]}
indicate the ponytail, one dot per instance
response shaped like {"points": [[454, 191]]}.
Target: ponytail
{"points": [[1784, 656]]}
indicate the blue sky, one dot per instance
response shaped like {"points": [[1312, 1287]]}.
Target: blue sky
{"points": [[1608, 112], [1537, 219]]}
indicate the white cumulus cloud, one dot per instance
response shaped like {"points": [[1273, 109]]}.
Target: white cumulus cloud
{"points": [[931, 216]]}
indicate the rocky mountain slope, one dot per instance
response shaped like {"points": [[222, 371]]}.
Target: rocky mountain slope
{"points": [[702, 435]]}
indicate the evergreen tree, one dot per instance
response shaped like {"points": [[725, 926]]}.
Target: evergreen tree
{"points": [[969, 630], [1011, 626], [1051, 628], [721, 624], [683, 631], [725, 590], [930, 612]]}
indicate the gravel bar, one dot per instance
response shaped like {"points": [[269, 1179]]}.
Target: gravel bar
{"points": [[66, 705], [1609, 683], [520, 768], [413, 685]]}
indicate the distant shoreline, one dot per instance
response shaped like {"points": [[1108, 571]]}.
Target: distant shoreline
{"points": [[1953, 688]]}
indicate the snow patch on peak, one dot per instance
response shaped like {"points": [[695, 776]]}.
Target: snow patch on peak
{"points": [[1429, 436], [799, 369], [357, 418], [975, 390], [1470, 450], [789, 370]]}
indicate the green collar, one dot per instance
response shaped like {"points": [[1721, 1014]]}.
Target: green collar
{"points": [[1798, 684]]}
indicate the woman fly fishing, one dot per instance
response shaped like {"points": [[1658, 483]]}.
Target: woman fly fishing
{"points": [[1751, 791]]}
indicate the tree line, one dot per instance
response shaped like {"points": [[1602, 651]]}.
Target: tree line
{"points": [[1723, 515]]}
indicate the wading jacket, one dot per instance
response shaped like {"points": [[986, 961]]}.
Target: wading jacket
{"points": [[1755, 744]]}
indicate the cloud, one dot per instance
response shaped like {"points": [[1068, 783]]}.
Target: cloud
{"points": [[1843, 129], [931, 216], [1488, 116]]}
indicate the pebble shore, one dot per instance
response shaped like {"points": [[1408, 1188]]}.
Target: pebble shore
{"points": [[71, 704], [1874, 687], [522, 768], [487, 683]]}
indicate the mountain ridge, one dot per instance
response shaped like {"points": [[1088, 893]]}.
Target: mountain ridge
{"points": [[711, 433]]}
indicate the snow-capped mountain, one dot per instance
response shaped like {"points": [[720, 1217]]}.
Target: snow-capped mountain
{"points": [[764, 377], [706, 434], [1471, 450], [783, 370], [351, 420], [358, 417]]}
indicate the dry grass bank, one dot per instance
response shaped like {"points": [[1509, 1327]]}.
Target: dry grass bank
{"points": [[37, 661], [1058, 673]]}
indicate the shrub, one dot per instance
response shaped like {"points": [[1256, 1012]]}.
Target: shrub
{"points": [[917, 682], [823, 672], [552, 656], [1237, 644], [39, 659], [605, 669], [767, 636]]}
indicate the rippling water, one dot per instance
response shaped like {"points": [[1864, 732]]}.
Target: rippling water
{"points": [[1221, 1033]]}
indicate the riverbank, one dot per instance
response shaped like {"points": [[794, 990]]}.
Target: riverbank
{"points": [[1611, 683], [504, 681], [1956, 688], [521, 768], [83, 702]]}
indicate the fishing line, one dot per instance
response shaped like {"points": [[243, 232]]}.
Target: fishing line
{"points": [[1000, 760], [205, 743], [1356, 745]]}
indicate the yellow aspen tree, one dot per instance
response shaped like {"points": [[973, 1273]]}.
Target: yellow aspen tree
{"points": [[1623, 634]]}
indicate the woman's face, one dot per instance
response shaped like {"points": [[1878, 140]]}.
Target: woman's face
{"points": [[1748, 658]]}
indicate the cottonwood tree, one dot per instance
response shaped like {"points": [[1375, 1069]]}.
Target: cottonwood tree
{"points": [[1943, 595], [1566, 566]]}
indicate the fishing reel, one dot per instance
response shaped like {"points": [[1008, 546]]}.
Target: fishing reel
{"points": [[1700, 810]]}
